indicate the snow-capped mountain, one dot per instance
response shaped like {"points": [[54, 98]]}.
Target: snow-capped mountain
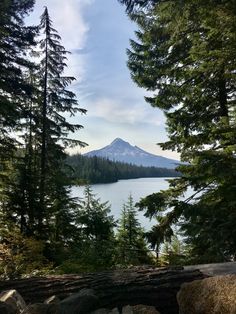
{"points": [[119, 150]]}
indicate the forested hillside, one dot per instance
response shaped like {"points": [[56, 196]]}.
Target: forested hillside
{"points": [[100, 170]]}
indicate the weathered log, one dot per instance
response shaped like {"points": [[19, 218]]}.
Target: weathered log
{"points": [[151, 286]]}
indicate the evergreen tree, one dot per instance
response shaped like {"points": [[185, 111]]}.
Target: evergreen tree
{"points": [[185, 55], [136, 5], [35, 194], [174, 252], [94, 217], [56, 100], [95, 249], [15, 40], [131, 246]]}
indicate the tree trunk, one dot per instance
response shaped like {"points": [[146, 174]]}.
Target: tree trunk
{"points": [[43, 141], [140, 285]]}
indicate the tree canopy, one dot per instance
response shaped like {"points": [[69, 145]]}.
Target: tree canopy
{"points": [[15, 40], [185, 55], [134, 5]]}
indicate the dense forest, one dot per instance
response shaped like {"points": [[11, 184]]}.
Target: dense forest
{"points": [[184, 56], [101, 170]]}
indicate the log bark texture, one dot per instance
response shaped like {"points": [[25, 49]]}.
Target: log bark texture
{"points": [[151, 286]]}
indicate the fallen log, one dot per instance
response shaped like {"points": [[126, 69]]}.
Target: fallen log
{"points": [[151, 286]]}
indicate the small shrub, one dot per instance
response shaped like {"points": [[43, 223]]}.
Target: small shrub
{"points": [[21, 256]]}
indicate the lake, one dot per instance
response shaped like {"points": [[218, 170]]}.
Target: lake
{"points": [[117, 194]]}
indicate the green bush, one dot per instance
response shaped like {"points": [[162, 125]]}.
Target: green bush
{"points": [[21, 256]]}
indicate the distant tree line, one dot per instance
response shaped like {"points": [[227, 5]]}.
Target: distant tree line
{"points": [[101, 170]]}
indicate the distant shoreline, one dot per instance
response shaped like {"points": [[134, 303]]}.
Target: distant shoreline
{"points": [[91, 183]]}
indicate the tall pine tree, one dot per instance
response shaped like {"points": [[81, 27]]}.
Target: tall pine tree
{"points": [[56, 101], [185, 55], [36, 192]]}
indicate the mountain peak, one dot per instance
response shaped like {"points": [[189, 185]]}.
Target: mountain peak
{"points": [[118, 140], [120, 150]]}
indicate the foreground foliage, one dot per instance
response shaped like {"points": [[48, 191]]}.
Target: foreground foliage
{"points": [[34, 193], [185, 55], [94, 245], [132, 248], [22, 256], [94, 248]]}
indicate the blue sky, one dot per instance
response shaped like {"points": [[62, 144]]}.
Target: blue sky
{"points": [[97, 33]]}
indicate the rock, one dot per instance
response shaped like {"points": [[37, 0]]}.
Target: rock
{"points": [[37, 308], [79, 303], [106, 311], [127, 310], [114, 311], [215, 295], [144, 309], [52, 299], [101, 311], [41, 308], [6, 308], [139, 309], [14, 299]]}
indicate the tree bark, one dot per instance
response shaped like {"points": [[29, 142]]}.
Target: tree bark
{"points": [[142, 285]]}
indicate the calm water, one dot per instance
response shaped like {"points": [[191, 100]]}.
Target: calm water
{"points": [[117, 194]]}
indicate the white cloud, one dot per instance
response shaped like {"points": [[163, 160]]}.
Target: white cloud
{"points": [[115, 111], [68, 20]]}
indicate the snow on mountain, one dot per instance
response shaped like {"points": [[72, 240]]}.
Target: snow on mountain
{"points": [[119, 150]]}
